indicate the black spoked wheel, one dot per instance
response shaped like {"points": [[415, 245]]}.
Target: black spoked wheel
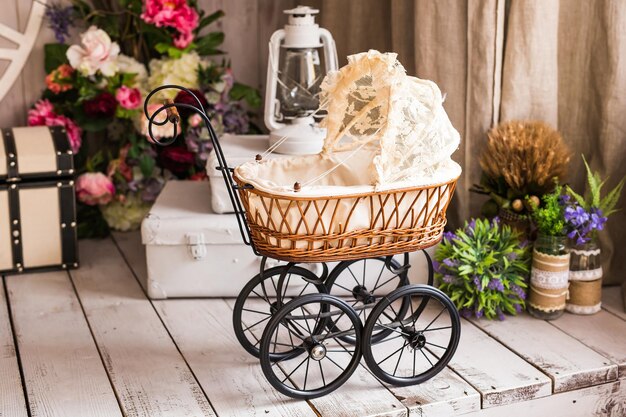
{"points": [[313, 361], [259, 300], [420, 344], [363, 282]]}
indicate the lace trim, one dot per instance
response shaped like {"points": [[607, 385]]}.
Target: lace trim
{"points": [[576, 309], [549, 279], [586, 275], [592, 252]]}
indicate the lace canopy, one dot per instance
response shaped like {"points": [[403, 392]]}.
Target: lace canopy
{"points": [[373, 104]]}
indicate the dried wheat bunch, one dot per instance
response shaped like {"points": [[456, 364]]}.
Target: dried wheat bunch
{"points": [[528, 155]]}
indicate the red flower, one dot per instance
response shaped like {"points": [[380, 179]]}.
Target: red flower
{"points": [[177, 159], [101, 106], [199, 176], [186, 98]]}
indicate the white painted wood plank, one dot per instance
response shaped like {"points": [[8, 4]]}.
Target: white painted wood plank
{"points": [[570, 364], [229, 375], [147, 371], [361, 395], [444, 395], [607, 400], [612, 301], [12, 402], [498, 374], [603, 332], [129, 243], [63, 371]]}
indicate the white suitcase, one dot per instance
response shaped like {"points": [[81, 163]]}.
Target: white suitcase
{"points": [[192, 251]]}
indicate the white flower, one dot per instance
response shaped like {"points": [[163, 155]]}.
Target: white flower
{"points": [[97, 53], [130, 65], [182, 71]]}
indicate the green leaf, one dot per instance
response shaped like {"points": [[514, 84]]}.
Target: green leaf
{"points": [[248, 94], [608, 203], [206, 21], [207, 45], [54, 55], [579, 198], [146, 164]]}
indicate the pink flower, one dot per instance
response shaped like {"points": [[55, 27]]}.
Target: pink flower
{"points": [[164, 131], [94, 188], [74, 132], [129, 98], [43, 115], [97, 53], [37, 116], [176, 14]]}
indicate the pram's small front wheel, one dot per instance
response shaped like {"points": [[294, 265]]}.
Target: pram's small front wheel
{"points": [[313, 360], [258, 301], [420, 343]]}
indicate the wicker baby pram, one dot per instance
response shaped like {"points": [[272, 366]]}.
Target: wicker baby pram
{"points": [[379, 189]]}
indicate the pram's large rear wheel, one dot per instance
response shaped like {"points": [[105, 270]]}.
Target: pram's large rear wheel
{"points": [[313, 361], [363, 282], [258, 301], [420, 344]]}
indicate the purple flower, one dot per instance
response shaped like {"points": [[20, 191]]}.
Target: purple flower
{"points": [[60, 19], [437, 266], [449, 236], [519, 291], [512, 256], [465, 312], [500, 314], [496, 284], [478, 314], [564, 199], [477, 282], [518, 308], [597, 220], [448, 279], [470, 226], [576, 215], [451, 263]]}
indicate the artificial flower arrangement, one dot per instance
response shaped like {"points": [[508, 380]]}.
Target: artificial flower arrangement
{"points": [[484, 268], [96, 87], [585, 215], [520, 163]]}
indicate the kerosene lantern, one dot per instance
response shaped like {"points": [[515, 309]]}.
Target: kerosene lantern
{"points": [[294, 76]]}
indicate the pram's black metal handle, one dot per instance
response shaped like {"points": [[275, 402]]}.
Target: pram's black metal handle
{"points": [[171, 111]]}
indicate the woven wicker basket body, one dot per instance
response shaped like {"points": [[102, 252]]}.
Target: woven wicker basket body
{"points": [[334, 228]]}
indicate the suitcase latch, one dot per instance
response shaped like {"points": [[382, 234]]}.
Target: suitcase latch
{"points": [[196, 244]]}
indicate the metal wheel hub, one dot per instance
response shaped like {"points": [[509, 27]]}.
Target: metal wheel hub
{"points": [[362, 294], [317, 352], [417, 340]]}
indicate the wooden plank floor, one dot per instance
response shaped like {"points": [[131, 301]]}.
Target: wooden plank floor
{"points": [[90, 343]]}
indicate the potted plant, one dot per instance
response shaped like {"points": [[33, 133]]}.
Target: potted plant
{"points": [[520, 162], [550, 261], [483, 267], [585, 216]]}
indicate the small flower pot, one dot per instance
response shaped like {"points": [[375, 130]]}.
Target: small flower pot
{"points": [[585, 289], [549, 277]]}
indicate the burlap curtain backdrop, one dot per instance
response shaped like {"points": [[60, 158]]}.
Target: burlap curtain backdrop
{"points": [[562, 61]]}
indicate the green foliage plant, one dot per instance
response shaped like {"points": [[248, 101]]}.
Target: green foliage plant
{"points": [[484, 268], [593, 198]]}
